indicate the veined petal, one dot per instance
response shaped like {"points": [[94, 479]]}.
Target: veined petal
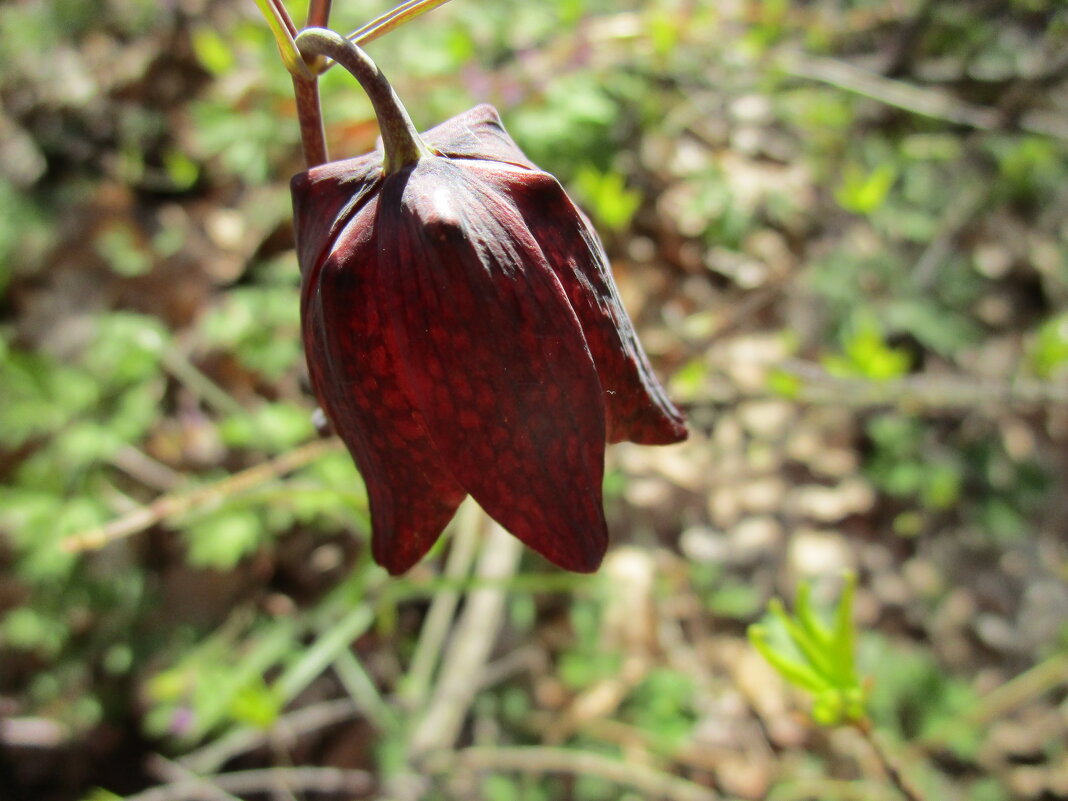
{"points": [[325, 198], [477, 134], [638, 408], [494, 358], [355, 377]]}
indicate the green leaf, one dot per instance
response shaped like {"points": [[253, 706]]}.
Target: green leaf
{"points": [[274, 427], [212, 50], [256, 705], [818, 658], [863, 192], [606, 196], [791, 669], [866, 355], [223, 539], [120, 246], [1049, 351]]}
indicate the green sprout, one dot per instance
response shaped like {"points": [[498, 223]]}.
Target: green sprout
{"points": [[818, 657]]}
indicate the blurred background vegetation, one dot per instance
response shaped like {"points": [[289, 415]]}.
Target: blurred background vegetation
{"points": [[840, 226]]}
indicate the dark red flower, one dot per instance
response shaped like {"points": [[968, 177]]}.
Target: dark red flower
{"points": [[464, 335]]}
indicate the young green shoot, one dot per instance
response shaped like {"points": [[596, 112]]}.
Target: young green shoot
{"points": [[817, 656]]}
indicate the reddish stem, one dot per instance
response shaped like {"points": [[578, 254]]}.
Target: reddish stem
{"points": [[310, 118], [283, 14], [319, 14]]}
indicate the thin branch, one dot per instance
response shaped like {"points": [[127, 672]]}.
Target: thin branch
{"points": [[929, 392], [996, 704], [650, 782], [179, 365], [289, 727], [177, 503], [925, 102], [152, 473], [438, 620], [333, 781], [961, 211], [470, 646], [887, 763], [392, 20], [169, 771], [361, 688], [831, 790]]}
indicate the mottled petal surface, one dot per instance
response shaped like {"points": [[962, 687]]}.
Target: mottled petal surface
{"points": [[356, 378], [637, 406], [494, 357]]}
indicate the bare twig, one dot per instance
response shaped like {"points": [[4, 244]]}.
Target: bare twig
{"points": [[832, 790], [438, 620], [470, 646], [150, 472], [925, 102], [335, 781], [1043, 677], [169, 771], [928, 392], [289, 727], [650, 782], [886, 762], [176, 503], [362, 690], [181, 367], [960, 212]]}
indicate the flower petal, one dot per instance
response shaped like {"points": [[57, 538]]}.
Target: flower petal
{"points": [[494, 358], [477, 134], [638, 408], [325, 198], [354, 373]]}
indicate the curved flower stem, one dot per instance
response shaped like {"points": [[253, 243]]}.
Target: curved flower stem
{"points": [[401, 142]]}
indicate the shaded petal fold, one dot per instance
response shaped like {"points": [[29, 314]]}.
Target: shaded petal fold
{"points": [[477, 134], [638, 408], [325, 198], [494, 357], [354, 373]]}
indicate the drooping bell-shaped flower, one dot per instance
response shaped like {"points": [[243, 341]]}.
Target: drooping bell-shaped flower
{"points": [[464, 335]]}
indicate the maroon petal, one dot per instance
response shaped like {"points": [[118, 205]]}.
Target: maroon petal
{"points": [[354, 374], [638, 409], [325, 198], [477, 134], [494, 358]]}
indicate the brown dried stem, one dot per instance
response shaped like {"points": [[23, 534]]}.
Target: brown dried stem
{"points": [[176, 503]]}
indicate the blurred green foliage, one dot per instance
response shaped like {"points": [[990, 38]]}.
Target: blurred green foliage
{"points": [[914, 237]]}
